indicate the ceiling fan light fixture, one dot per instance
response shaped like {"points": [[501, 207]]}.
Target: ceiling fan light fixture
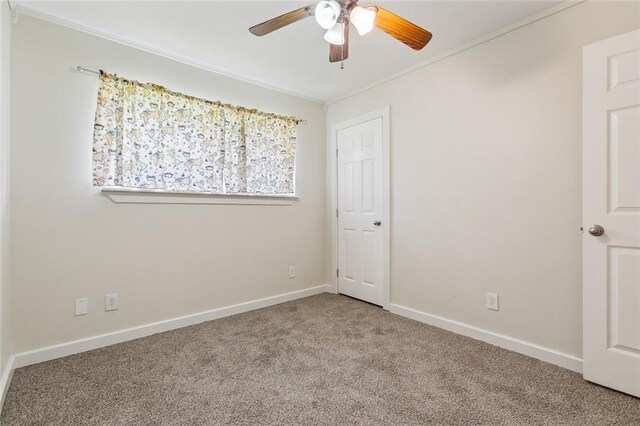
{"points": [[327, 13], [335, 35], [363, 19]]}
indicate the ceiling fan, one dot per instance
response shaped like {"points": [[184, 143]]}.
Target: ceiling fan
{"points": [[335, 16]]}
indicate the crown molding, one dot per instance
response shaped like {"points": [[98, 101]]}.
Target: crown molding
{"points": [[488, 37], [22, 10], [12, 11]]}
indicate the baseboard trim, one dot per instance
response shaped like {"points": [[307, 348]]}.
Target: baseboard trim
{"points": [[5, 380], [551, 356], [77, 346]]}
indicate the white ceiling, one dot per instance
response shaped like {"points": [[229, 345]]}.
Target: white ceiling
{"points": [[294, 59]]}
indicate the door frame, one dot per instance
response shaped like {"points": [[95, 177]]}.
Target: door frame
{"points": [[332, 160]]}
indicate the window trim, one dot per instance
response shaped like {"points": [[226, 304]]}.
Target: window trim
{"points": [[122, 195]]}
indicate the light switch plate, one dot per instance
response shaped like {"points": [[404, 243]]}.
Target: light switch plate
{"points": [[81, 307]]}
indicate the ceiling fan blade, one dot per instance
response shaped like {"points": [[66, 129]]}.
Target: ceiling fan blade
{"points": [[340, 53], [282, 21], [401, 29]]}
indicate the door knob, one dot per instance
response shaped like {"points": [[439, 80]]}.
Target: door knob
{"points": [[377, 223], [596, 230]]}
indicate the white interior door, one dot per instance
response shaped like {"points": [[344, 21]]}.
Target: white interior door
{"points": [[611, 212], [361, 256]]}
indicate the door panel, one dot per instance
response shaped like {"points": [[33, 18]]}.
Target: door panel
{"points": [[350, 252], [611, 197], [349, 179], [624, 299], [360, 204], [368, 257], [624, 174], [624, 68]]}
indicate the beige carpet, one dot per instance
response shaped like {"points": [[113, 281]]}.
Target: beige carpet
{"points": [[322, 360]]}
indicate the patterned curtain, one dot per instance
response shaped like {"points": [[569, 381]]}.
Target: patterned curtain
{"points": [[269, 144], [146, 136]]}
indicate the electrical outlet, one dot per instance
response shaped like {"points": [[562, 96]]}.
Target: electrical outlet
{"points": [[492, 301], [81, 307], [111, 302], [292, 271]]}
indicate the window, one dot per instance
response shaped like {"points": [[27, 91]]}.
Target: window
{"points": [[148, 137]]}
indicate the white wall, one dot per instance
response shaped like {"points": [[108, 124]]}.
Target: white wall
{"points": [[485, 177], [69, 241], [5, 309]]}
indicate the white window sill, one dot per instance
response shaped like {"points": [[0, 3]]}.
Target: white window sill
{"points": [[154, 196]]}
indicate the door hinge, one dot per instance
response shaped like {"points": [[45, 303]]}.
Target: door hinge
{"points": [[337, 272], [336, 152], [337, 213]]}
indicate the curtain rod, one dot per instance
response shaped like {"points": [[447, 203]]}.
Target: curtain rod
{"points": [[83, 69]]}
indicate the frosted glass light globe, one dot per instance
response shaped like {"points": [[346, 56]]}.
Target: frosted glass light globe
{"points": [[336, 34], [363, 19], [327, 13]]}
